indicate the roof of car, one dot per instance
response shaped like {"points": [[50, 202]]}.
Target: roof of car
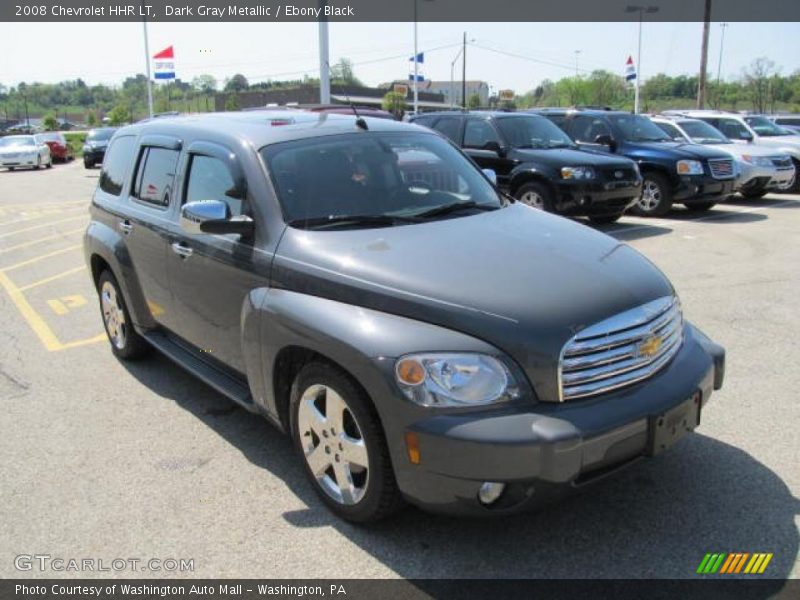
{"points": [[501, 114], [261, 128]]}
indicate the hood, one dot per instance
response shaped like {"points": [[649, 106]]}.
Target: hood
{"points": [[678, 150], [790, 142], [520, 279], [17, 149], [560, 157], [738, 150]]}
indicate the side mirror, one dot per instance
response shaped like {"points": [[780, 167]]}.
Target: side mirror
{"points": [[213, 216], [490, 175], [606, 140], [495, 147]]}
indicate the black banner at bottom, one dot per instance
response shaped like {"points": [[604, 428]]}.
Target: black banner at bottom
{"points": [[390, 589]]}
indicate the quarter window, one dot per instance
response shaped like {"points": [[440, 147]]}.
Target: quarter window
{"points": [[115, 165], [210, 179], [156, 175]]}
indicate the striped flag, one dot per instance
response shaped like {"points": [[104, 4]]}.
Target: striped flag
{"points": [[630, 69], [420, 60], [164, 64]]}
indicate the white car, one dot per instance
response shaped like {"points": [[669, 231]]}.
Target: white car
{"points": [[24, 151], [760, 169], [751, 129]]}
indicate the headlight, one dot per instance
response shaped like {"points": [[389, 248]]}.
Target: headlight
{"points": [[690, 167], [577, 173], [454, 379], [758, 161]]}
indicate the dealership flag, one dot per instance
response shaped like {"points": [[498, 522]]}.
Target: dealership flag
{"points": [[164, 64], [630, 69], [420, 60]]}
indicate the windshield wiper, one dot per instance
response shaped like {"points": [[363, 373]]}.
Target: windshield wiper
{"points": [[446, 209], [357, 220]]}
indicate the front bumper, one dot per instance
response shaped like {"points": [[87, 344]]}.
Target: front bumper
{"points": [[18, 161], [96, 155], [766, 177], [596, 198], [548, 449], [702, 188]]}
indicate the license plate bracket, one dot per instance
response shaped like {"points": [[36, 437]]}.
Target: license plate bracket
{"points": [[666, 429]]}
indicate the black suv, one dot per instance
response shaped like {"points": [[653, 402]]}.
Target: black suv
{"points": [[357, 282], [691, 174], [539, 165]]}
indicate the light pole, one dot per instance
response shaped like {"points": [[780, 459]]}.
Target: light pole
{"points": [[452, 72], [577, 54], [147, 65], [723, 27], [631, 8], [416, 63]]}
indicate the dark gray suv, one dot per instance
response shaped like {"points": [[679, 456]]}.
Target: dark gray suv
{"points": [[361, 284]]}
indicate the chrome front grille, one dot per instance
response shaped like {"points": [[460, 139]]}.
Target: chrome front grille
{"points": [[621, 350], [721, 168]]}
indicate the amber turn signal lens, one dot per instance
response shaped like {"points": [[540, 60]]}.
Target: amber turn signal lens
{"points": [[412, 446], [410, 372]]}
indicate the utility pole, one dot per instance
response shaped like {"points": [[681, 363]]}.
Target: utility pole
{"points": [[27, 118], [723, 27], [701, 82], [464, 73], [324, 61], [577, 54], [631, 8]]}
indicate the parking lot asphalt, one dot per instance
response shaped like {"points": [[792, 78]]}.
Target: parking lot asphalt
{"points": [[103, 459]]}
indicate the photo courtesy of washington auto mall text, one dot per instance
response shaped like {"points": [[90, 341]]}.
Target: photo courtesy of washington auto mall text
{"points": [[399, 299]]}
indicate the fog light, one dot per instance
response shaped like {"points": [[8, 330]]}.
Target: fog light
{"points": [[490, 492]]}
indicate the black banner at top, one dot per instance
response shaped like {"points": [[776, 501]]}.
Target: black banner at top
{"points": [[397, 10]]}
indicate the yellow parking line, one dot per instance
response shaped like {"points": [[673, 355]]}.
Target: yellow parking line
{"points": [[98, 338], [43, 215], [40, 240], [53, 278], [40, 328], [2, 235], [40, 257]]}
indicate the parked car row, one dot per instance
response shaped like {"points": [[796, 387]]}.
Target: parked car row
{"points": [[600, 163]]}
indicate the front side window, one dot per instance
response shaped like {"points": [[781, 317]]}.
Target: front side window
{"points": [[156, 175], [385, 176], [636, 128], [703, 133], [671, 131], [733, 129], [533, 132], [765, 127], [210, 179], [587, 129], [479, 134], [115, 164], [450, 127]]}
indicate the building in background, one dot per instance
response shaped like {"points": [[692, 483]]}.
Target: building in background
{"points": [[451, 90]]}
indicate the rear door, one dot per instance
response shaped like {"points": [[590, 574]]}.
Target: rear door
{"points": [[212, 275]]}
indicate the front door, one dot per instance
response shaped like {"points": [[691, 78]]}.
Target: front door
{"points": [[483, 144]]}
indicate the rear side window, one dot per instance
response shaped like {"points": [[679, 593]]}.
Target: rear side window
{"points": [[156, 176], [210, 179], [115, 164], [451, 127], [424, 121], [479, 134]]}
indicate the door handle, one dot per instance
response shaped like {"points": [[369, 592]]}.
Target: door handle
{"points": [[126, 226], [181, 249]]}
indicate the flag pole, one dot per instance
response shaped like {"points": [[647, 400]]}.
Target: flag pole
{"points": [[147, 64]]}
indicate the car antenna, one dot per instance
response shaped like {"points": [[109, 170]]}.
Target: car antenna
{"points": [[360, 122]]}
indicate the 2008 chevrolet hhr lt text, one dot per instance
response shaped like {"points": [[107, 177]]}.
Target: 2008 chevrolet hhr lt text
{"points": [[363, 285]]}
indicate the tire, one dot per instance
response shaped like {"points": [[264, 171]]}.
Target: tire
{"points": [[656, 198], [38, 163], [795, 187], [49, 164], [88, 163], [325, 441], [700, 206], [604, 219], [11, 168], [536, 195], [126, 343], [753, 192]]}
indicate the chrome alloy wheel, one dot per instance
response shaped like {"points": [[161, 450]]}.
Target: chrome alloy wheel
{"points": [[333, 444], [113, 315], [651, 196], [532, 199]]}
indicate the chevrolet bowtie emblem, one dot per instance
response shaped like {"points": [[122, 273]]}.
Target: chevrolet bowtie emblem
{"points": [[650, 346]]}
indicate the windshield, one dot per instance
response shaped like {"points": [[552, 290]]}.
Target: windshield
{"points": [[765, 127], [96, 135], [636, 128], [703, 133], [383, 175], [533, 132], [49, 137], [17, 140]]}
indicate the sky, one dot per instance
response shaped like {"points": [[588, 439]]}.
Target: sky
{"points": [[515, 56]]}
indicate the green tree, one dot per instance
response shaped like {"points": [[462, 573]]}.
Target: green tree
{"points": [[119, 115], [342, 72], [205, 83], [232, 102], [395, 103], [50, 122], [91, 119], [237, 83], [474, 101]]}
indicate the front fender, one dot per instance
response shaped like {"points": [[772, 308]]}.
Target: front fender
{"points": [[526, 171], [103, 241]]}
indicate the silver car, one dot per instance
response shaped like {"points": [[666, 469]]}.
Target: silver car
{"points": [[24, 151], [760, 169]]}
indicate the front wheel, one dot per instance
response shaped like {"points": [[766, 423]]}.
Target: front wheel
{"points": [[38, 163], [536, 195], [753, 192], [339, 438], [126, 343], [700, 206], [49, 164], [88, 163], [656, 198]]}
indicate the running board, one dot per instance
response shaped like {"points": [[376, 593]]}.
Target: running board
{"points": [[226, 385]]}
